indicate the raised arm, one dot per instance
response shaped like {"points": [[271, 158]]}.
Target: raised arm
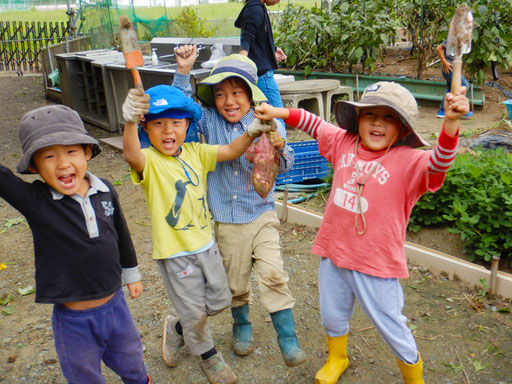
{"points": [[186, 57], [135, 105], [455, 107]]}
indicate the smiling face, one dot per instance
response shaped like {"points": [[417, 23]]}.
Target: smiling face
{"points": [[63, 167], [167, 134], [379, 127], [232, 99]]}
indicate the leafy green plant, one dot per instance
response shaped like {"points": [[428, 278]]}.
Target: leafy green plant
{"points": [[188, 24], [485, 287], [13, 222], [478, 366], [492, 37], [475, 202], [324, 40]]}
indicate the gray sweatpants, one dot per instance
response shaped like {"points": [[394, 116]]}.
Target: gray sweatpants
{"points": [[198, 287], [381, 299]]}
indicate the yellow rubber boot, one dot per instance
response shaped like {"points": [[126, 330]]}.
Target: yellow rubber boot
{"points": [[412, 373], [337, 361]]}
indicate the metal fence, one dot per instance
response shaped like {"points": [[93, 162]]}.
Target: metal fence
{"points": [[21, 43]]}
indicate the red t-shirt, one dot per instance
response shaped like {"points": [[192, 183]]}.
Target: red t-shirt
{"points": [[389, 194]]}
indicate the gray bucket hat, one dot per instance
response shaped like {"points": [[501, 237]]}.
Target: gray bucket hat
{"points": [[382, 94], [51, 125]]}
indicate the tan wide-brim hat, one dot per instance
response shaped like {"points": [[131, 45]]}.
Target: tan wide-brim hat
{"points": [[383, 94]]}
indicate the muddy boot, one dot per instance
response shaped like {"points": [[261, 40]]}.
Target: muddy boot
{"points": [[337, 361], [171, 341], [412, 373], [242, 331], [217, 371], [285, 328]]}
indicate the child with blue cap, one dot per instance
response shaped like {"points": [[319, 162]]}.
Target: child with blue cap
{"points": [[173, 173]]}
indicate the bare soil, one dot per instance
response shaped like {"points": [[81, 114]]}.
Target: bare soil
{"points": [[463, 336]]}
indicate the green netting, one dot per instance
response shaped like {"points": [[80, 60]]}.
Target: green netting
{"points": [[100, 20]]}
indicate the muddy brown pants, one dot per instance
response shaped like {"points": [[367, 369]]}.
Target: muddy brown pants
{"points": [[255, 247]]}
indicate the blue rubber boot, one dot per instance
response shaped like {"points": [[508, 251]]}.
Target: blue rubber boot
{"points": [[285, 328], [242, 331]]}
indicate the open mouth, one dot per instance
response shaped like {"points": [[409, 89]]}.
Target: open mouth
{"points": [[67, 181], [231, 112], [377, 135], [168, 143]]}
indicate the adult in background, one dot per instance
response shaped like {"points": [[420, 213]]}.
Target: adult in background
{"points": [[257, 42], [446, 70]]}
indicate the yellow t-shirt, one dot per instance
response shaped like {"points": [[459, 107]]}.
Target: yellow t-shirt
{"points": [[175, 191]]}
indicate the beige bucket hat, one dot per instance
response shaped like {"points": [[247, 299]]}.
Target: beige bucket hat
{"points": [[382, 94]]}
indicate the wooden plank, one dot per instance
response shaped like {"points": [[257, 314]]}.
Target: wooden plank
{"points": [[114, 142], [437, 262]]}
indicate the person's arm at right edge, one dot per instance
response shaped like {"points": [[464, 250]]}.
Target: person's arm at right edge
{"points": [[135, 105]]}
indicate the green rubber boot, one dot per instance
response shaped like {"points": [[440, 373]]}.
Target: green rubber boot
{"points": [[242, 331], [283, 322]]}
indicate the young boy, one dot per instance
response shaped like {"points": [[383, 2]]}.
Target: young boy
{"points": [[82, 245], [173, 174], [446, 71], [246, 226], [378, 177]]}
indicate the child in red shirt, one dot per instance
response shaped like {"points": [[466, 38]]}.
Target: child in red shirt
{"points": [[378, 178]]}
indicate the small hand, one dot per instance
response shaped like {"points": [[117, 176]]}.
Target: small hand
{"points": [[457, 105], [135, 105], [135, 289], [185, 57], [280, 56], [258, 127], [264, 111], [277, 141], [447, 68]]}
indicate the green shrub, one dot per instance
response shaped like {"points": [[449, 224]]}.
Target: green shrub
{"points": [[350, 33], [476, 202], [188, 24]]}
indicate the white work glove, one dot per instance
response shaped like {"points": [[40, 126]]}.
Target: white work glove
{"points": [[258, 127], [135, 105]]}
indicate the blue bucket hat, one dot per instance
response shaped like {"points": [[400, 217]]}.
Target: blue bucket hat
{"points": [[168, 101]]}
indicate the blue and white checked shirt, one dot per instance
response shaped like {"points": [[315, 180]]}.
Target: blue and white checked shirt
{"points": [[231, 196]]}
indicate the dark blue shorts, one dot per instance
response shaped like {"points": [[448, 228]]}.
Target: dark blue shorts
{"points": [[84, 338]]}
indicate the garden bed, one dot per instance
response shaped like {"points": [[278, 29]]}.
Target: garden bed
{"points": [[462, 335]]}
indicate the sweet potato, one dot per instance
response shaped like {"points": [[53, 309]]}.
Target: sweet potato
{"points": [[265, 162]]}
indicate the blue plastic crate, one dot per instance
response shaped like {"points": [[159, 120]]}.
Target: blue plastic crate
{"points": [[508, 103], [309, 165]]}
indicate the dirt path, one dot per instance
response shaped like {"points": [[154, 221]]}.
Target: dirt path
{"points": [[463, 337]]}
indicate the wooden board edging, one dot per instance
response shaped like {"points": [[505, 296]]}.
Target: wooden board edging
{"points": [[437, 262]]}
